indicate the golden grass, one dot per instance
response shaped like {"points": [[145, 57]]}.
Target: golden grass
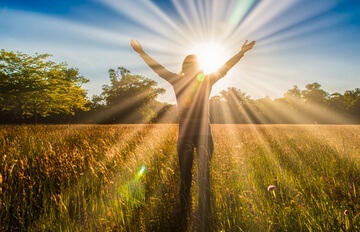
{"points": [[125, 178]]}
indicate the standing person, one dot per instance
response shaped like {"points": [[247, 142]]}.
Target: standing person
{"points": [[192, 89]]}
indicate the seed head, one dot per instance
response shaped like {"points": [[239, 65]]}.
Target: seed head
{"points": [[270, 188]]}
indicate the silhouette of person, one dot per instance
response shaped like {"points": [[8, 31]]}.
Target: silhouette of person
{"points": [[192, 89]]}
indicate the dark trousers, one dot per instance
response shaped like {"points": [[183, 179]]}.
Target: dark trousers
{"points": [[204, 148]]}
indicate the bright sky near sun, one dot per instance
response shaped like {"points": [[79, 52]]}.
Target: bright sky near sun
{"points": [[298, 41]]}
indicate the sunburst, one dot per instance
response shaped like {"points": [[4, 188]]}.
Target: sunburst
{"points": [[211, 54]]}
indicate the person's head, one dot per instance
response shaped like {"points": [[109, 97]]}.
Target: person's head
{"points": [[191, 65]]}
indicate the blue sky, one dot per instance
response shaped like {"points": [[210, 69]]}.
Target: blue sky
{"points": [[298, 41]]}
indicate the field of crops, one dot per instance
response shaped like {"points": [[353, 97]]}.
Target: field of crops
{"points": [[125, 178]]}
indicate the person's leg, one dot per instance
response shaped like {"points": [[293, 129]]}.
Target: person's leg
{"points": [[185, 150], [204, 150]]}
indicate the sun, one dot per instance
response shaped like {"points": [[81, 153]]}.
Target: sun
{"points": [[211, 55]]}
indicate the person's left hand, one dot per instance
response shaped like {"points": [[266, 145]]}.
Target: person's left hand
{"points": [[136, 46]]}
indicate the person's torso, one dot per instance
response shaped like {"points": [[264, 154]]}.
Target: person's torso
{"points": [[192, 97]]}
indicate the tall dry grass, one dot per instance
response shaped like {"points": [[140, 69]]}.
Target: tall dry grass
{"points": [[125, 178]]}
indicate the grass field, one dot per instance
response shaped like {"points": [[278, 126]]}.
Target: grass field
{"points": [[125, 178]]}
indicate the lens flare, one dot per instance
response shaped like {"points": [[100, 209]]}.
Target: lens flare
{"points": [[133, 192], [200, 77], [140, 173]]}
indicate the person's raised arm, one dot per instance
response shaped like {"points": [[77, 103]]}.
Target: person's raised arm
{"points": [[221, 72], [153, 64]]}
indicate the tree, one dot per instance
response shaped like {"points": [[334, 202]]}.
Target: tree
{"points": [[293, 102], [130, 98], [352, 102], [220, 111], [314, 94], [295, 92], [32, 86], [240, 104], [336, 102]]}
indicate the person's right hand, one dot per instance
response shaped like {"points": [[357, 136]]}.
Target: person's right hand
{"points": [[136, 46]]}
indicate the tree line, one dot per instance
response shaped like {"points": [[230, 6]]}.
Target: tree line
{"points": [[34, 89]]}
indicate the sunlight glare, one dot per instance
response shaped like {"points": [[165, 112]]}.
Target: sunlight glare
{"points": [[205, 27], [211, 56]]}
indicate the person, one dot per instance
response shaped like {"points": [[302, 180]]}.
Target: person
{"points": [[192, 89]]}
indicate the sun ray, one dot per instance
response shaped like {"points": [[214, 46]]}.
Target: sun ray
{"points": [[182, 26], [227, 25], [156, 20]]}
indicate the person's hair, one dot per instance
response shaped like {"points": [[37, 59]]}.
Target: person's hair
{"points": [[190, 62]]}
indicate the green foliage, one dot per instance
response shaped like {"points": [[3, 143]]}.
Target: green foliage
{"points": [[131, 97], [295, 92], [312, 105], [92, 178], [352, 100], [34, 85], [314, 93]]}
